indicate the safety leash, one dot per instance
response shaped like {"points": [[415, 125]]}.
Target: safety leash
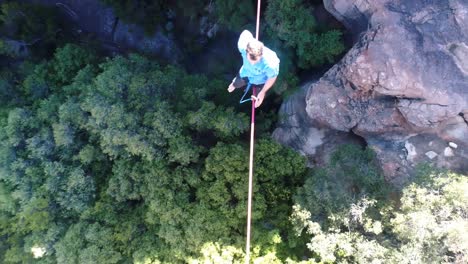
{"points": [[247, 89]]}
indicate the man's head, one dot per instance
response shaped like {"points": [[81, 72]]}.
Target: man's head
{"points": [[254, 51]]}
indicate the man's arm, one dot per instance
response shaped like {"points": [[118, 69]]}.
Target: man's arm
{"points": [[271, 71], [244, 38], [261, 95]]}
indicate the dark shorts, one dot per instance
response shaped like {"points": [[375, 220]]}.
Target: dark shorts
{"points": [[239, 82]]}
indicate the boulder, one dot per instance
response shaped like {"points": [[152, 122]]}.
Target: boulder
{"points": [[405, 78], [305, 135], [295, 128]]}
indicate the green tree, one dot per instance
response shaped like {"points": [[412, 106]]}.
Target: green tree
{"points": [[424, 226], [130, 160], [225, 122], [292, 22], [234, 15], [73, 190], [67, 62], [432, 220], [223, 191], [183, 150], [87, 243], [352, 174], [37, 84]]}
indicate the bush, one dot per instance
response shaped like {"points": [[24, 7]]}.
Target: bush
{"points": [[353, 174], [292, 22]]}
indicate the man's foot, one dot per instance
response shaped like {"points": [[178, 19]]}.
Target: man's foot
{"points": [[231, 88]]}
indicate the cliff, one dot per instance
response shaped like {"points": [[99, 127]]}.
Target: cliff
{"points": [[403, 87]]}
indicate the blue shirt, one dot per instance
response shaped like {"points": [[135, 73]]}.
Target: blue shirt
{"points": [[260, 72]]}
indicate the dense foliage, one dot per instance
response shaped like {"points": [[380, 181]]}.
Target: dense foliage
{"points": [[353, 221], [128, 160], [292, 22]]}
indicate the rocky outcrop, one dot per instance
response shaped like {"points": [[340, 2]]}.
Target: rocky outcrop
{"points": [[404, 83], [298, 131], [92, 17]]}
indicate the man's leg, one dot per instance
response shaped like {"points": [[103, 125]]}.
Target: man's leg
{"points": [[237, 83]]}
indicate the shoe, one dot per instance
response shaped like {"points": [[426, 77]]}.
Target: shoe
{"points": [[231, 88]]}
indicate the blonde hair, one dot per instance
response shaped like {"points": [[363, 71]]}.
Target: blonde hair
{"points": [[254, 49]]}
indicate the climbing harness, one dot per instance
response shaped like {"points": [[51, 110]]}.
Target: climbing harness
{"points": [[252, 132]]}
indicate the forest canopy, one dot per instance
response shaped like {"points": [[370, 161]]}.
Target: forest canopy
{"points": [[138, 152], [129, 159]]}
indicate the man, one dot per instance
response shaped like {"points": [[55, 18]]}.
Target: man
{"points": [[260, 66]]}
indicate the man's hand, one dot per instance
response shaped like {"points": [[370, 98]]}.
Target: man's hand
{"points": [[261, 95], [231, 88], [259, 99]]}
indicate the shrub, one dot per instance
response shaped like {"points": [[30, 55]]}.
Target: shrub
{"points": [[292, 22]]}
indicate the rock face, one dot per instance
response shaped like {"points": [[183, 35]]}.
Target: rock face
{"points": [[405, 82], [91, 16]]}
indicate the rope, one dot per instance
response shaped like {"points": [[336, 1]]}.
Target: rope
{"points": [[251, 156], [258, 20], [249, 201]]}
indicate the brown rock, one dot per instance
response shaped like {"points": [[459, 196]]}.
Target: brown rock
{"points": [[406, 77]]}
